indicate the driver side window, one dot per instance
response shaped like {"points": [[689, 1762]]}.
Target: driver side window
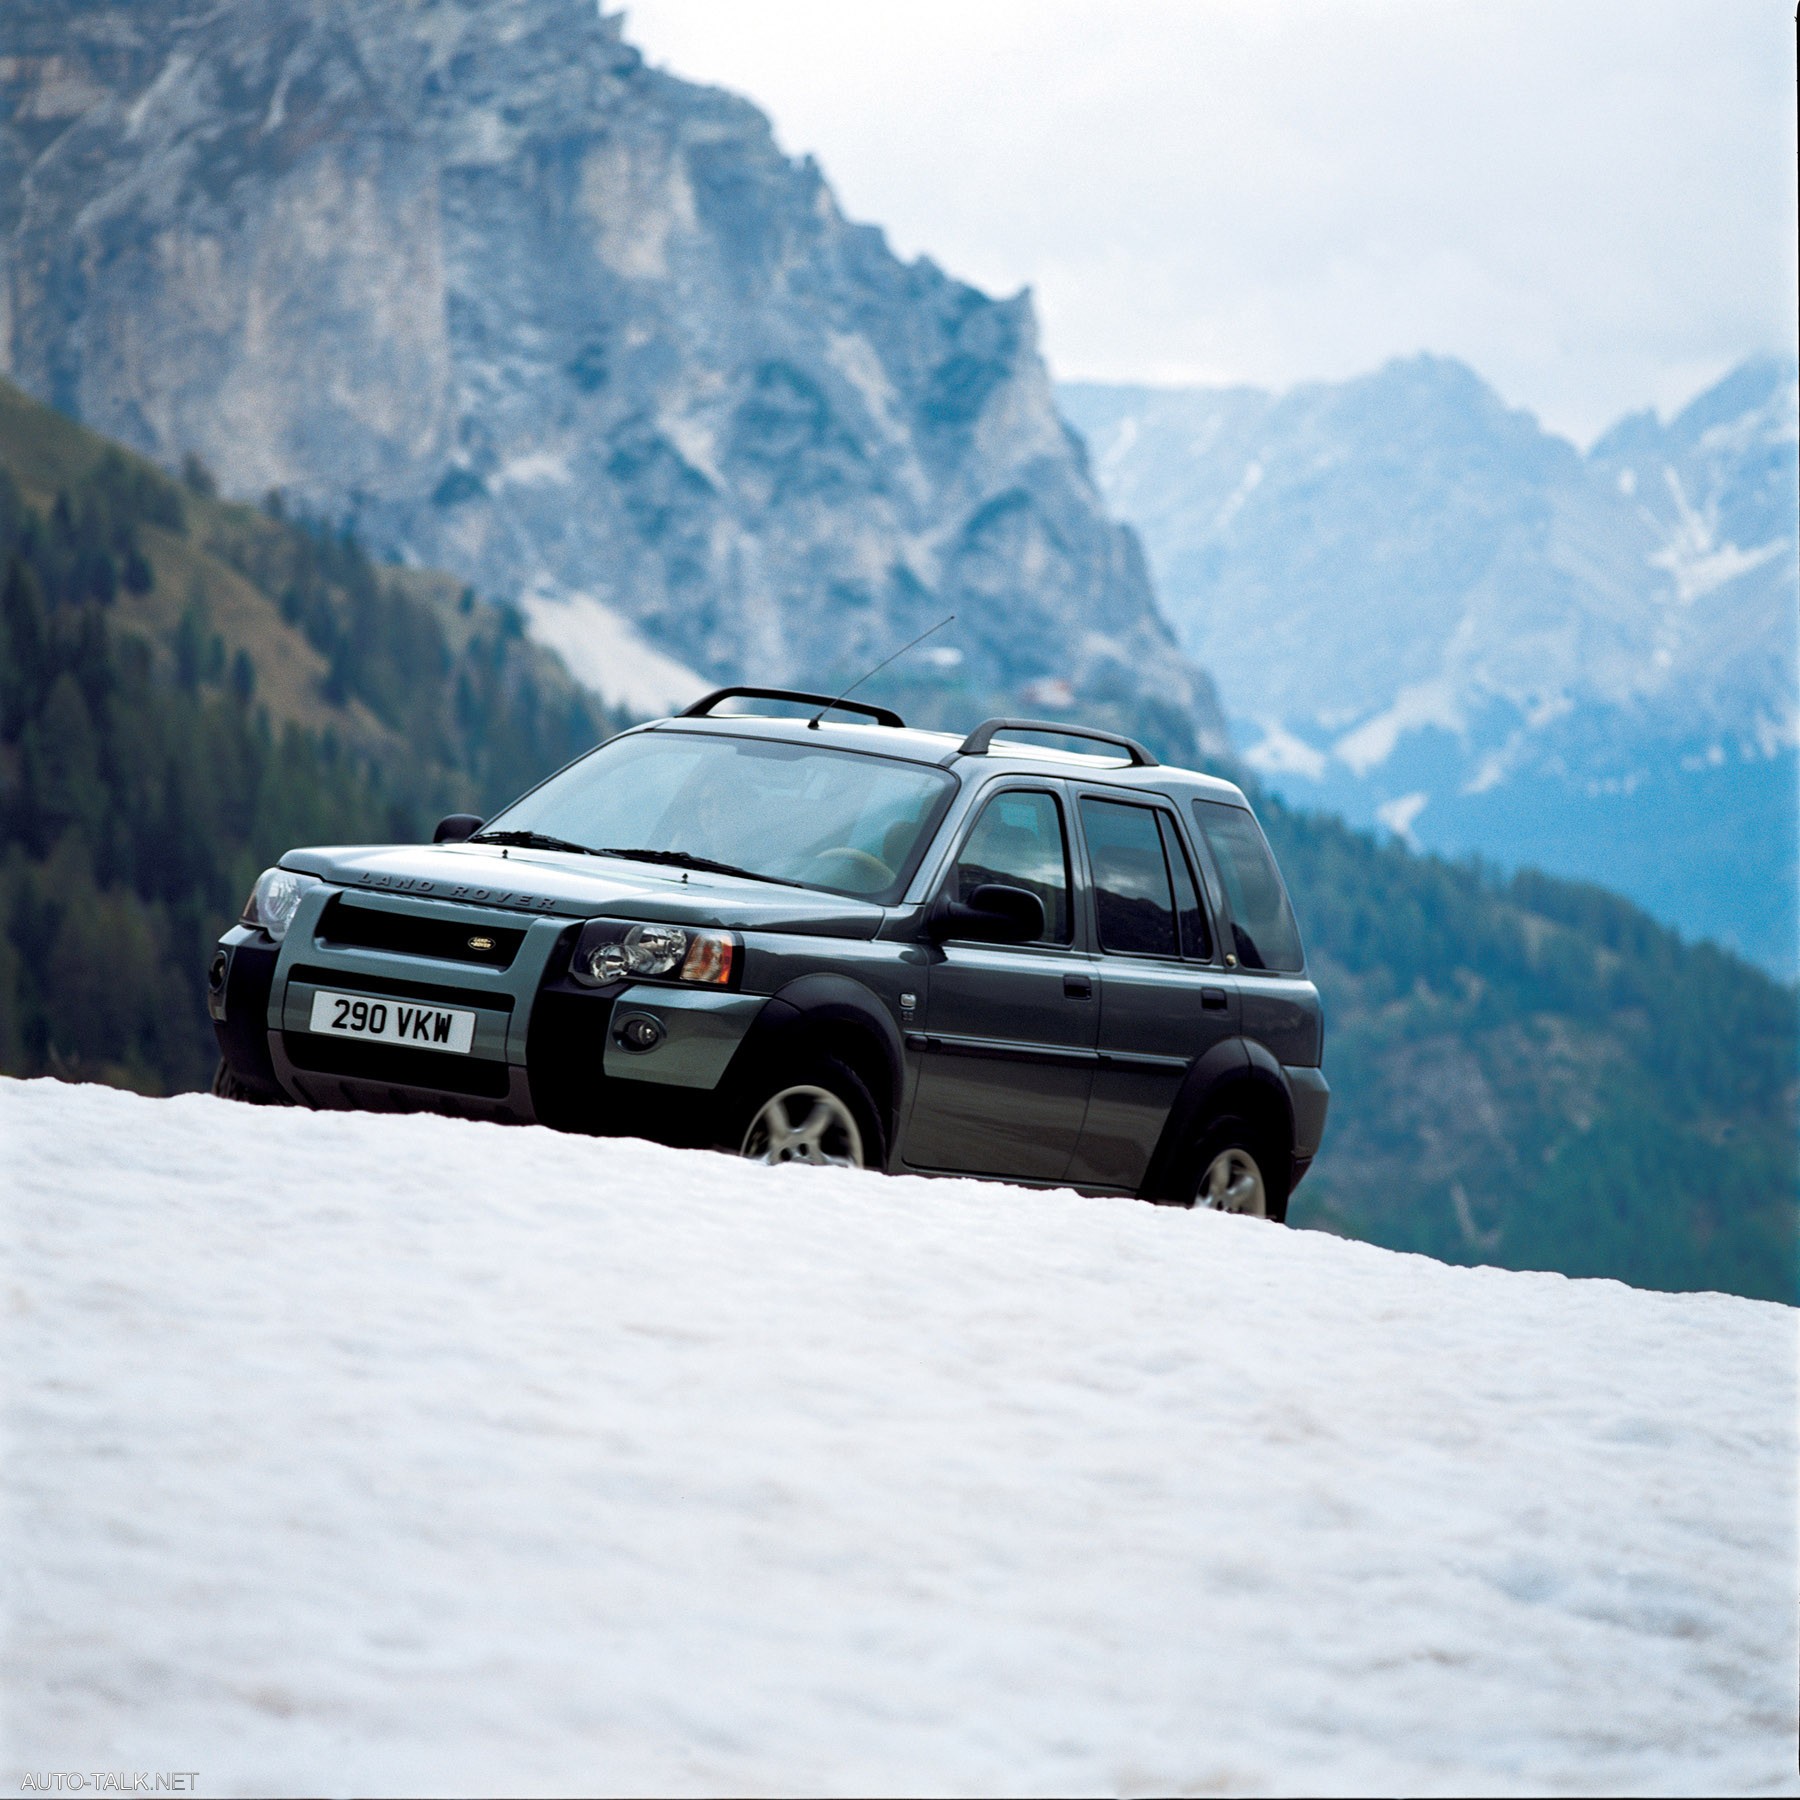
{"points": [[1019, 841]]}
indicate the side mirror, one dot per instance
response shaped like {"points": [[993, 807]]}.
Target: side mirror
{"points": [[992, 914], [457, 828]]}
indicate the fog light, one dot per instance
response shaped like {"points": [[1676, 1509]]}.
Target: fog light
{"points": [[638, 1031]]}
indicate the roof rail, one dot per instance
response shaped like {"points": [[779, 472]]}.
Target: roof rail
{"points": [[978, 740], [703, 707]]}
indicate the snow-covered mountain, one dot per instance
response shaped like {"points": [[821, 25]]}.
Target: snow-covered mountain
{"points": [[397, 1455], [1425, 610], [567, 326]]}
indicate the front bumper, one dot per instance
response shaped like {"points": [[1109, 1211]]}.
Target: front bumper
{"points": [[544, 1047]]}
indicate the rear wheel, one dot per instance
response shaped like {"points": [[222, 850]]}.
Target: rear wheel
{"points": [[820, 1114], [1235, 1168]]}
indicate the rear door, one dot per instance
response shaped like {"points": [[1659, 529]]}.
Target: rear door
{"points": [[1007, 1053], [1165, 998], [1281, 1007]]}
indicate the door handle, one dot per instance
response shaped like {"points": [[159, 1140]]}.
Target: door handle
{"points": [[1078, 987], [1213, 999]]}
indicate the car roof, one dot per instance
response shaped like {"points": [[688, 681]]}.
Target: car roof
{"points": [[940, 749]]}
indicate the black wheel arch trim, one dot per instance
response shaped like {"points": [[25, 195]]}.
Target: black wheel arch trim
{"points": [[1236, 1063], [806, 1006]]}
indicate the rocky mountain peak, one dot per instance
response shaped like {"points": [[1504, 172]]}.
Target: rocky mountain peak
{"points": [[567, 325]]}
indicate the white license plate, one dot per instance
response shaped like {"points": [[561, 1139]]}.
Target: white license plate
{"points": [[394, 1022]]}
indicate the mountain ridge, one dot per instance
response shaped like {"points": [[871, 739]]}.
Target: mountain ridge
{"points": [[1429, 613]]}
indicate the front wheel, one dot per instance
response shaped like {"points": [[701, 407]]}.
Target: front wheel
{"points": [[230, 1086], [821, 1115]]}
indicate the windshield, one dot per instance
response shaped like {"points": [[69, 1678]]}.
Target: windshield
{"points": [[834, 819]]}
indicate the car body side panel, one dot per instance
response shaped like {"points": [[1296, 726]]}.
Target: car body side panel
{"points": [[1281, 1012], [1006, 1058], [1157, 1019]]}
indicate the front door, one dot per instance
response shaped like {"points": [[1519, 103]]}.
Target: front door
{"points": [[1006, 1055], [1164, 1000]]}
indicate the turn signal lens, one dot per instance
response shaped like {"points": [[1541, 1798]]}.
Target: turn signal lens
{"points": [[708, 959]]}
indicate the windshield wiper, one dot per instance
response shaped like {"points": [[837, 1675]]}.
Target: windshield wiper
{"points": [[685, 859], [532, 840]]}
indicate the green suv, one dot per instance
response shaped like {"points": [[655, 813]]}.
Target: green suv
{"points": [[816, 941]]}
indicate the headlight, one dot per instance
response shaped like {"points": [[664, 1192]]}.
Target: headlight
{"points": [[612, 950], [275, 899]]}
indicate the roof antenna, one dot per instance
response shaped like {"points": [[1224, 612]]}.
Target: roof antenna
{"points": [[812, 724]]}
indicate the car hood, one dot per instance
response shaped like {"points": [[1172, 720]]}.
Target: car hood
{"points": [[579, 887]]}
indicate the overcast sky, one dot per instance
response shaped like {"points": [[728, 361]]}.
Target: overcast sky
{"points": [[1592, 202]]}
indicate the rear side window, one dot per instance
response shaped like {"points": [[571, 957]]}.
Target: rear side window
{"points": [[1133, 903], [1262, 923], [1196, 940], [1019, 841]]}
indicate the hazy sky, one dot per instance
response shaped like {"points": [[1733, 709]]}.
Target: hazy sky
{"points": [[1592, 201]]}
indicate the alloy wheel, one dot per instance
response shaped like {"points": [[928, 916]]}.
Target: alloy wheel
{"points": [[1234, 1184], [805, 1124]]}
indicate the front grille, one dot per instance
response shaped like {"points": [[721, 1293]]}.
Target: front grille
{"points": [[354, 980], [320, 1054], [417, 934]]}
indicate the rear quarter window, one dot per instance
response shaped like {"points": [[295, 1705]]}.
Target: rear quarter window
{"points": [[1263, 930]]}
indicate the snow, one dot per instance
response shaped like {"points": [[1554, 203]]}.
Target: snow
{"points": [[1416, 706], [536, 468], [390, 1455], [1401, 814], [1283, 752], [606, 652], [1694, 561]]}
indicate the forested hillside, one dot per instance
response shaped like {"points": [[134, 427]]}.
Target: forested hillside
{"points": [[187, 688], [1528, 1072], [1532, 1072]]}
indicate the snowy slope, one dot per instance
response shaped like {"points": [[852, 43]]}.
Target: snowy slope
{"points": [[401, 1455]]}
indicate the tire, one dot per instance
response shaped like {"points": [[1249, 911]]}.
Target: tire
{"points": [[229, 1086], [818, 1112], [1234, 1167]]}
